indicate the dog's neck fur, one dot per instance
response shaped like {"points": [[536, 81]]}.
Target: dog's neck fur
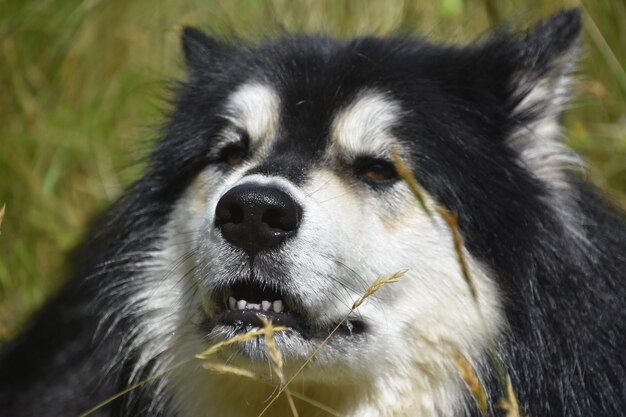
{"points": [[398, 394]]}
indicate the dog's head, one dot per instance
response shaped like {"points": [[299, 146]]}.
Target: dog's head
{"points": [[287, 203]]}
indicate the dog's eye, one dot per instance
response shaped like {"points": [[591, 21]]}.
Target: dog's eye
{"points": [[375, 169], [233, 154]]}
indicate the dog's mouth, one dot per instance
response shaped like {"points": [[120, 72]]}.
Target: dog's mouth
{"points": [[245, 303], [242, 306]]}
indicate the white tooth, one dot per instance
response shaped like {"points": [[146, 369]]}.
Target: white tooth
{"points": [[278, 306], [241, 304], [266, 305], [232, 303], [256, 306], [249, 306]]}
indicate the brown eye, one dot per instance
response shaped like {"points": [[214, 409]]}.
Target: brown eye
{"points": [[233, 155], [376, 169]]}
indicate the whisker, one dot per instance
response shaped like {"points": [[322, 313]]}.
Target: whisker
{"points": [[321, 187]]}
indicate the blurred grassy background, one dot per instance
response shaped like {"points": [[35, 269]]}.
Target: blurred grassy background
{"points": [[82, 82]]}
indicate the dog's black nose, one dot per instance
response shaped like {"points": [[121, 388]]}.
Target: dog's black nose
{"points": [[257, 217]]}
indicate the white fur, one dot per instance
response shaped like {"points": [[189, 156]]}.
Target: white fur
{"points": [[254, 108], [349, 236], [363, 127], [539, 142]]}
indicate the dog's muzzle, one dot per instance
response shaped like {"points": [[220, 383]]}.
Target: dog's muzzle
{"points": [[256, 217]]}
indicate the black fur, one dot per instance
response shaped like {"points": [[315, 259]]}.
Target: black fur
{"points": [[565, 298]]}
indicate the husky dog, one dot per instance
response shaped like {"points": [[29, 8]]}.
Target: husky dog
{"points": [[273, 193]]}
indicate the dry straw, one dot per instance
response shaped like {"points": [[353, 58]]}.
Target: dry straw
{"points": [[471, 379], [380, 281], [237, 339], [2, 216], [277, 360], [405, 173], [223, 369], [220, 368], [202, 356], [132, 388], [509, 404], [376, 285]]}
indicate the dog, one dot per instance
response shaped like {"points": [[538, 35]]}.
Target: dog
{"points": [[274, 193]]}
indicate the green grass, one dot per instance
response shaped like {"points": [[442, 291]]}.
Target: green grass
{"points": [[82, 82]]}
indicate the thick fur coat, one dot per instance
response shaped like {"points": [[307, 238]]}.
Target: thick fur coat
{"points": [[272, 191]]}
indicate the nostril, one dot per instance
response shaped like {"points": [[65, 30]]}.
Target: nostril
{"points": [[229, 213], [256, 217], [279, 219], [272, 218], [236, 213]]}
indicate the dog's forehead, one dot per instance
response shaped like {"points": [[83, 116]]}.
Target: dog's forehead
{"points": [[357, 125], [254, 107], [364, 126]]}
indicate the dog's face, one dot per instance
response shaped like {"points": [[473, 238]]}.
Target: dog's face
{"points": [[294, 223], [289, 206]]}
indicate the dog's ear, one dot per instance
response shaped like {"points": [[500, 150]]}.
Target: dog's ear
{"points": [[545, 58], [200, 50], [536, 69]]}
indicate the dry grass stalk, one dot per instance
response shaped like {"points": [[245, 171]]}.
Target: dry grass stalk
{"points": [[370, 291], [241, 372], [206, 303], [221, 368], [405, 173], [236, 339], [236, 371], [277, 360], [471, 379], [317, 404], [2, 216], [380, 281], [452, 221], [203, 355], [510, 400], [275, 355], [509, 404], [132, 387], [292, 404]]}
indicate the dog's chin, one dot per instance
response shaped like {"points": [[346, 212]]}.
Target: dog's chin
{"points": [[295, 344], [297, 336], [246, 304]]}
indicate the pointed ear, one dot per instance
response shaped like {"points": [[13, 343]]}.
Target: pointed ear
{"points": [[539, 85], [546, 57], [201, 50]]}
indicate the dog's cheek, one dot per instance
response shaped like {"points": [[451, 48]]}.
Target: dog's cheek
{"points": [[432, 303]]}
